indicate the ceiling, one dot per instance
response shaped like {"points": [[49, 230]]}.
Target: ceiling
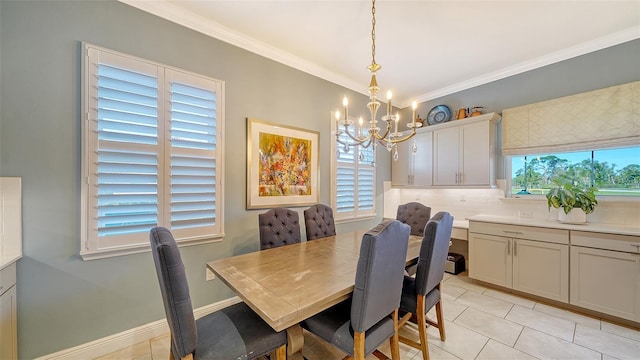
{"points": [[427, 49]]}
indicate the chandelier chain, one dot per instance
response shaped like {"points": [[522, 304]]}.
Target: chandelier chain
{"points": [[373, 32]]}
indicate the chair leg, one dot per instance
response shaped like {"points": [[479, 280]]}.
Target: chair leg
{"points": [[422, 327], [358, 345], [440, 317], [393, 341], [281, 353]]}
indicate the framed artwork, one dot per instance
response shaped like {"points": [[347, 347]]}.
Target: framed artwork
{"points": [[282, 165]]}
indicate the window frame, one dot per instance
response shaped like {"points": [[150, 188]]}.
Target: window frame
{"points": [[357, 214], [91, 247], [508, 168]]}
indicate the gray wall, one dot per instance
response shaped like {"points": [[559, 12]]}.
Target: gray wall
{"points": [[600, 69], [64, 301]]}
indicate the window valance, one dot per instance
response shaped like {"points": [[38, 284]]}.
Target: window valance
{"points": [[599, 119]]}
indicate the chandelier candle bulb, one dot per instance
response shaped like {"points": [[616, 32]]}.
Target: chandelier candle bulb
{"points": [[360, 122], [397, 119], [337, 121], [389, 109], [414, 106], [345, 103]]}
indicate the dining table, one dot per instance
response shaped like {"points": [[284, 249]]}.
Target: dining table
{"points": [[288, 284]]}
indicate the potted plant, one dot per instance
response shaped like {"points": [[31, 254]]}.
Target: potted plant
{"points": [[576, 202]]}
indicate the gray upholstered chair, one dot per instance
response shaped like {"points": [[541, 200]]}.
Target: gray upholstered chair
{"points": [[318, 222], [421, 293], [278, 227], [373, 308], [415, 215], [231, 333]]}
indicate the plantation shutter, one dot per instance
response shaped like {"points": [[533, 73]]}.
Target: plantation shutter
{"points": [[151, 150], [125, 170], [193, 114], [355, 180]]}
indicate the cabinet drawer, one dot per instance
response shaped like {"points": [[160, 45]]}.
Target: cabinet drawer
{"points": [[626, 243], [7, 278], [557, 236]]}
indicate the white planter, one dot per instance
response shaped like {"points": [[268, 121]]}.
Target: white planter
{"points": [[575, 216]]}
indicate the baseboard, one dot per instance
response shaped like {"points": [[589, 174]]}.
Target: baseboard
{"points": [[109, 344]]}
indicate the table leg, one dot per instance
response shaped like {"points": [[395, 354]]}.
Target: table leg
{"points": [[295, 340]]}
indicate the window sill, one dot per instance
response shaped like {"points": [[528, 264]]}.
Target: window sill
{"points": [[114, 252], [354, 219]]}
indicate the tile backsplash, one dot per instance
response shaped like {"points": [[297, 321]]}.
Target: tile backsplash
{"points": [[462, 203]]}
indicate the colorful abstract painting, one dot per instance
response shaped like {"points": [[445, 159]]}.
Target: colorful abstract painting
{"points": [[285, 165], [282, 165]]}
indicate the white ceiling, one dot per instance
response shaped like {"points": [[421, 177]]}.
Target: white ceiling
{"points": [[427, 49]]}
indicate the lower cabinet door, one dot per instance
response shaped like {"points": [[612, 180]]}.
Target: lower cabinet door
{"points": [[541, 269], [490, 259], [606, 281], [8, 325]]}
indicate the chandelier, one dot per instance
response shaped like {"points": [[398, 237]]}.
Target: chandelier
{"points": [[366, 136]]}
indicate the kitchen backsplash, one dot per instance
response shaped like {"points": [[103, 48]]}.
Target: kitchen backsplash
{"points": [[462, 203]]}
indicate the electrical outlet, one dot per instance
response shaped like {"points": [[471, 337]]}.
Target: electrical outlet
{"points": [[526, 214], [209, 275], [462, 198]]}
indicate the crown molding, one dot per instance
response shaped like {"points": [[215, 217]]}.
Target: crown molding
{"points": [[548, 59], [176, 14]]}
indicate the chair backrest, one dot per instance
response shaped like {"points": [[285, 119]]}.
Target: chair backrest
{"points": [[433, 252], [318, 222], [278, 227], [175, 292], [415, 215], [379, 275]]}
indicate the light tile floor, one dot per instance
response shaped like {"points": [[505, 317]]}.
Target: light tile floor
{"points": [[481, 324]]}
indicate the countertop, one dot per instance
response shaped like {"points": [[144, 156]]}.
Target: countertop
{"points": [[589, 227], [462, 224]]}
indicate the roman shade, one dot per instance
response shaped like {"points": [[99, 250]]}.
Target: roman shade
{"points": [[599, 119]]}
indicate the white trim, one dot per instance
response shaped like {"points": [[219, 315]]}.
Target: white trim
{"points": [[172, 12], [115, 342]]}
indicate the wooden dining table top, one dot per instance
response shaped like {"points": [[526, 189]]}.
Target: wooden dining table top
{"points": [[288, 284]]}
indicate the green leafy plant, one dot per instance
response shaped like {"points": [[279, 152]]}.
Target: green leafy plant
{"points": [[569, 196]]}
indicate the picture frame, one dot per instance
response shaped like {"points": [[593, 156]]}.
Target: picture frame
{"points": [[282, 165]]}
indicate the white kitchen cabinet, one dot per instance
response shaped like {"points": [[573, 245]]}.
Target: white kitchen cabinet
{"points": [[465, 155], [8, 313], [603, 279], [413, 169], [527, 259], [10, 252]]}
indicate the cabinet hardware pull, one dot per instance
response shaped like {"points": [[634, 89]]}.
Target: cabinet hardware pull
{"points": [[509, 248], [512, 232], [515, 248]]}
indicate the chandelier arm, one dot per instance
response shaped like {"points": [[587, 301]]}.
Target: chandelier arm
{"points": [[398, 140], [358, 139], [377, 135]]}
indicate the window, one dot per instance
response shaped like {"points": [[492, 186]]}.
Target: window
{"points": [[151, 150], [612, 171], [354, 180]]}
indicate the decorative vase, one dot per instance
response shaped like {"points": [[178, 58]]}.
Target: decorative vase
{"points": [[575, 216]]}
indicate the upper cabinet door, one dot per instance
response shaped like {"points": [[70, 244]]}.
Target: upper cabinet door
{"points": [[476, 154], [413, 168], [446, 156]]}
